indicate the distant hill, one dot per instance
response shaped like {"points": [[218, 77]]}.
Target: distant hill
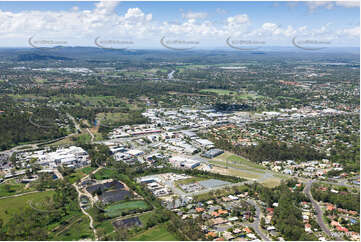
{"points": [[37, 57]]}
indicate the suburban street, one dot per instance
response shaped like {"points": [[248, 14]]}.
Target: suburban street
{"points": [[256, 223], [319, 213]]}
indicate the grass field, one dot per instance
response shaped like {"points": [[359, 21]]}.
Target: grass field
{"points": [[235, 94], [230, 171], [271, 182], [116, 118], [117, 209], [107, 118], [217, 91], [249, 96], [71, 227], [157, 233], [104, 174], [10, 206], [228, 156], [10, 188], [241, 167], [88, 170], [106, 226], [76, 230], [79, 173]]}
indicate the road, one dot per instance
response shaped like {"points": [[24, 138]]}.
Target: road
{"points": [[256, 223], [319, 213]]}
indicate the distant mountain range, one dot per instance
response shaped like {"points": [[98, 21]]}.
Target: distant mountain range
{"points": [[95, 54]]}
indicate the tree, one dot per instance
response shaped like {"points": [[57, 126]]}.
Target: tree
{"points": [[263, 222], [7, 188]]}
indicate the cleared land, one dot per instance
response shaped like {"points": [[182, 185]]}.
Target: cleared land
{"points": [[191, 180], [233, 172], [228, 156], [271, 182], [236, 166]]}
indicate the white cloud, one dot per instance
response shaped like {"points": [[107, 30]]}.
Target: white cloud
{"points": [[270, 26], [85, 25], [195, 15], [348, 4], [137, 15], [221, 11], [353, 32], [239, 19], [312, 6]]}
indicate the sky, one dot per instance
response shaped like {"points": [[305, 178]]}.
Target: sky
{"points": [[180, 25]]}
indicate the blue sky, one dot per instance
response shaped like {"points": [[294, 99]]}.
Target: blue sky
{"points": [[209, 23]]}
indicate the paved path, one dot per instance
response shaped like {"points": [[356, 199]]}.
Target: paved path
{"points": [[319, 213], [18, 195]]}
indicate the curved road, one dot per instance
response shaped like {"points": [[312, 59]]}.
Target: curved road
{"points": [[256, 223], [319, 213]]}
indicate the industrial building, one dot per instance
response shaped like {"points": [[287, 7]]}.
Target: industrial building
{"points": [[212, 153]]}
